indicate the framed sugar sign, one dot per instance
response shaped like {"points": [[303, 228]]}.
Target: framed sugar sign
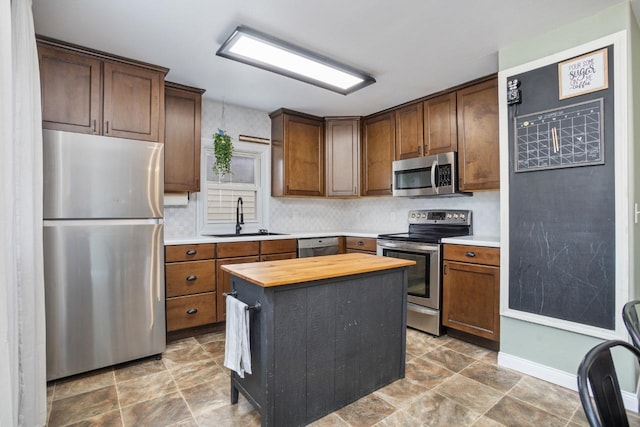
{"points": [[584, 74]]}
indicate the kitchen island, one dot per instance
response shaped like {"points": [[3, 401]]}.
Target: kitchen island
{"points": [[325, 332]]}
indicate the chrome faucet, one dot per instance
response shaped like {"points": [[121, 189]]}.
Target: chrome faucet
{"points": [[239, 215]]}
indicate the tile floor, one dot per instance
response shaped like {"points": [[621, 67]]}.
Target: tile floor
{"points": [[448, 383]]}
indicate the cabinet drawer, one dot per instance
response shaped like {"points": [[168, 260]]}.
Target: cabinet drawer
{"points": [[184, 278], [189, 311], [361, 243], [277, 257], [278, 246], [472, 254], [236, 249], [189, 252], [357, 251]]}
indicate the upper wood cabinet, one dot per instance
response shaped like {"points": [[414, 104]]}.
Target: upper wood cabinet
{"points": [[133, 101], [343, 156], [297, 154], [88, 91], [182, 137], [409, 132], [478, 139], [440, 124], [378, 152]]}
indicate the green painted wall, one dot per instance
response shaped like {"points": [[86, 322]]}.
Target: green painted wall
{"points": [[536, 343], [634, 117]]}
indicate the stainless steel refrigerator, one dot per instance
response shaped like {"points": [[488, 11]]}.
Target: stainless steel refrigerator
{"points": [[103, 251]]}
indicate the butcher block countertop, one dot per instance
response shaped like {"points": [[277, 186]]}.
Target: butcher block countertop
{"points": [[300, 270]]}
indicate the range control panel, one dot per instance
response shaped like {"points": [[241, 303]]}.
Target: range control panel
{"points": [[458, 217]]}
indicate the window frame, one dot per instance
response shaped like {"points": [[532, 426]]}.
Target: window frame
{"points": [[263, 152]]}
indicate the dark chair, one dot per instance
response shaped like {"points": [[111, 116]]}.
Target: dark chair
{"points": [[597, 369], [630, 318]]}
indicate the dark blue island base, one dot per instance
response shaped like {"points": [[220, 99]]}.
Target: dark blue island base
{"points": [[318, 346]]}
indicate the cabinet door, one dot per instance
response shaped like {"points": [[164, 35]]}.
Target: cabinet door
{"points": [[409, 132], [478, 139], [70, 87], [304, 156], [343, 152], [440, 125], [224, 282], [132, 100], [471, 299], [378, 153], [182, 139]]}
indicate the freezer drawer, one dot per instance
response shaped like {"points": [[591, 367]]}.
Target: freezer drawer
{"points": [[104, 293]]}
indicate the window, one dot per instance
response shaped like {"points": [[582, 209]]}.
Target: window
{"points": [[219, 195]]}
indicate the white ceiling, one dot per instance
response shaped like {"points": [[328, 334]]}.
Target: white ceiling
{"points": [[412, 47]]}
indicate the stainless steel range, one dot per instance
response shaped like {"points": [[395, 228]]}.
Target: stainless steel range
{"points": [[422, 245]]}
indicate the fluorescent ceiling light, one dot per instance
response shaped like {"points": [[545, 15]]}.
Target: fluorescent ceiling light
{"points": [[261, 50]]}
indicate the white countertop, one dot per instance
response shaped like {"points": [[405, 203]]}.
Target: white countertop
{"points": [[489, 241], [187, 240]]}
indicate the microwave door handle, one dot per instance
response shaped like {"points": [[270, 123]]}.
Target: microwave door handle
{"points": [[434, 184]]}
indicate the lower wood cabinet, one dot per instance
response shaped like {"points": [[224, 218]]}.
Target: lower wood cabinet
{"points": [[471, 290], [190, 285], [191, 310], [195, 282], [274, 250], [367, 245], [231, 253]]}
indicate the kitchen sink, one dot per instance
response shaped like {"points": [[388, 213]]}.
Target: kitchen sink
{"points": [[246, 234]]}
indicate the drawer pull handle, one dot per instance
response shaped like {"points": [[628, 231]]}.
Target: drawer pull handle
{"points": [[191, 252], [192, 311], [470, 254], [360, 243], [191, 278]]}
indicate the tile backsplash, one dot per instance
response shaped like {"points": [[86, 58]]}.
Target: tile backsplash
{"points": [[378, 214], [372, 214]]}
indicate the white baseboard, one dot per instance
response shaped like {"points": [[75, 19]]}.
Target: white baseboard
{"points": [[555, 376]]}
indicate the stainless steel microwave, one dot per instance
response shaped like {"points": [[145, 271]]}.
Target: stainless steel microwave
{"points": [[426, 176]]}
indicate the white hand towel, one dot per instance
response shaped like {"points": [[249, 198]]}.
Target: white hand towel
{"points": [[237, 350]]}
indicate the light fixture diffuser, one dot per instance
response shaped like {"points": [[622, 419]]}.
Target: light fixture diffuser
{"points": [[252, 47]]}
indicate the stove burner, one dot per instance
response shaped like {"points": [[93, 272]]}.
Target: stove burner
{"points": [[430, 226]]}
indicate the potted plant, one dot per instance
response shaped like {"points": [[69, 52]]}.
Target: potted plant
{"points": [[223, 151]]}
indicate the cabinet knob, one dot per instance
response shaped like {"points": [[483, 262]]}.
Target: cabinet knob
{"points": [[191, 278], [470, 254], [191, 252], [360, 243], [106, 125], [192, 311], [94, 126]]}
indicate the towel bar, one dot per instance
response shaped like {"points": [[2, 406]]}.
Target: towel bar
{"points": [[255, 307]]}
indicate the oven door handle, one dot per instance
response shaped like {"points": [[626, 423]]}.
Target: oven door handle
{"points": [[415, 247]]}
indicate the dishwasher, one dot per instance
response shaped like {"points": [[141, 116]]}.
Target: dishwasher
{"points": [[317, 247]]}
